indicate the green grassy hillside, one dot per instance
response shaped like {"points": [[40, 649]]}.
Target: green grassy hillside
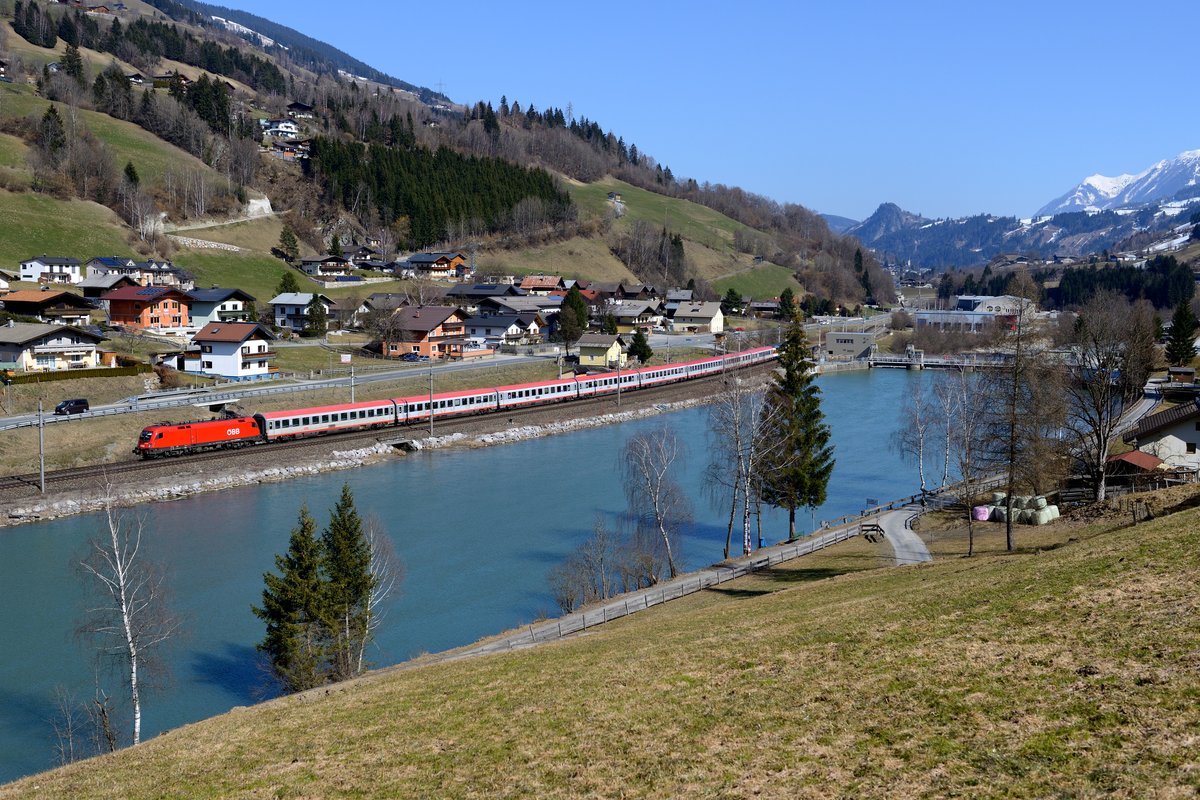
{"points": [[127, 141], [33, 224], [1066, 671]]}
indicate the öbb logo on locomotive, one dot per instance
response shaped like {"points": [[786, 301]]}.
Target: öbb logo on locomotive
{"points": [[270, 426]]}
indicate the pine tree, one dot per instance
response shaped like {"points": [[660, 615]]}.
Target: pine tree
{"points": [[131, 174], [731, 302], [347, 556], [292, 608], [574, 301], [787, 304], [287, 284], [639, 348], [51, 136], [289, 247], [1181, 344], [798, 456], [72, 63], [608, 325], [315, 318], [335, 246]]}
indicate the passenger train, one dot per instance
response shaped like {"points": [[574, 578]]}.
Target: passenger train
{"points": [[272, 426]]}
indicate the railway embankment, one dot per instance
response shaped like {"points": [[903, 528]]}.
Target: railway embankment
{"points": [[133, 492]]}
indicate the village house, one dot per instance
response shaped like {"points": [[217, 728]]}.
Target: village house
{"points": [[468, 296], [438, 266], [348, 312], [291, 149], [136, 79], [298, 110], [156, 308], [325, 266], [291, 309], [36, 347], [52, 269], [431, 331], [282, 129], [235, 350], [510, 329], [602, 350], [364, 255], [385, 301], [63, 308], [220, 305], [698, 318], [632, 315], [94, 286], [764, 308], [542, 285], [1172, 435], [146, 273]]}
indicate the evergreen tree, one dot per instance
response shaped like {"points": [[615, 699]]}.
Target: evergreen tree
{"points": [[798, 455], [639, 348], [608, 325], [287, 283], [575, 302], [1181, 344], [51, 136], [787, 304], [731, 302], [315, 320], [349, 587], [335, 246], [290, 249], [292, 609], [72, 63], [131, 174]]}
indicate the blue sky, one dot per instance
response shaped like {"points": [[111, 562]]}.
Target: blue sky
{"points": [[943, 108]]}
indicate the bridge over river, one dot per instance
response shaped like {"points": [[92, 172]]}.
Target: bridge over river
{"points": [[918, 360]]}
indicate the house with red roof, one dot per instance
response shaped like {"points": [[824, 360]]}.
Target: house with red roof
{"points": [[431, 331]]}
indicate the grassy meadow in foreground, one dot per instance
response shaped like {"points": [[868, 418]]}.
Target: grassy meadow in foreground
{"points": [[1069, 670]]}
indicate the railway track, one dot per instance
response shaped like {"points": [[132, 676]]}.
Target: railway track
{"points": [[99, 474]]}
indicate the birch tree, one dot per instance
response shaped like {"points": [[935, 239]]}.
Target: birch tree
{"points": [[736, 449], [129, 620], [654, 497], [917, 426]]}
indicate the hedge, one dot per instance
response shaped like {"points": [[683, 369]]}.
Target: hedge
{"points": [[71, 374]]}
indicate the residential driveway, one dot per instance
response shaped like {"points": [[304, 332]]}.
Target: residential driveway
{"points": [[907, 545]]}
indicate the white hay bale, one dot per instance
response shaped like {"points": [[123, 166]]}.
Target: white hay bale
{"points": [[998, 498], [1042, 516], [999, 514]]}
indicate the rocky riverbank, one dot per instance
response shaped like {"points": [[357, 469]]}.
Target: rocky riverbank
{"points": [[63, 504]]}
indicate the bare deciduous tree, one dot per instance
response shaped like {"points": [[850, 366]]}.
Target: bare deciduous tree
{"points": [[655, 499], [387, 572], [129, 621], [734, 420], [917, 426]]}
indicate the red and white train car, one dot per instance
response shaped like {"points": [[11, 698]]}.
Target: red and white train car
{"points": [[280, 425], [445, 404], [519, 395]]}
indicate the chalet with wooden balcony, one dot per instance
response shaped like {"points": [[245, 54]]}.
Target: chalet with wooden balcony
{"points": [[63, 308], [234, 350], [433, 331], [38, 347], [155, 308]]}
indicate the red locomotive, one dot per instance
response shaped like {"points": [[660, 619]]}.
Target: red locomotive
{"points": [[191, 437]]}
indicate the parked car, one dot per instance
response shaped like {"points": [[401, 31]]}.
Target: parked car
{"points": [[410, 357], [76, 406]]}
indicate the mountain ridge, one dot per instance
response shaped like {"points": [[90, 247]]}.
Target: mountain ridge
{"points": [[1162, 180]]}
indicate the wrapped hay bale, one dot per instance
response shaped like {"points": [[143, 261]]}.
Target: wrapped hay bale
{"points": [[1053, 512], [999, 514], [981, 513], [1039, 503], [1042, 516], [1026, 517], [998, 498]]}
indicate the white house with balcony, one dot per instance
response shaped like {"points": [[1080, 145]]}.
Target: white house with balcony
{"points": [[52, 269], [36, 347], [291, 309], [236, 350]]}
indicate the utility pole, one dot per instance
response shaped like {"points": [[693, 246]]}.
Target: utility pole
{"points": [[618, 379], [351, 383], [41, 448]]}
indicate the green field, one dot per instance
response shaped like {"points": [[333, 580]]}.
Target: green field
{"points": [[574, 258], [33, 224], [692, 221], [765, 280], [12, 151]]}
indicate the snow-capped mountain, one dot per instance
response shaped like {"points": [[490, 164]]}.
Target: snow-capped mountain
{"points": [[1163, 181]]}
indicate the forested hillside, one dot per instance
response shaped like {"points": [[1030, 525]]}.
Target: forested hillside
{"points": [[387, 167]]}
